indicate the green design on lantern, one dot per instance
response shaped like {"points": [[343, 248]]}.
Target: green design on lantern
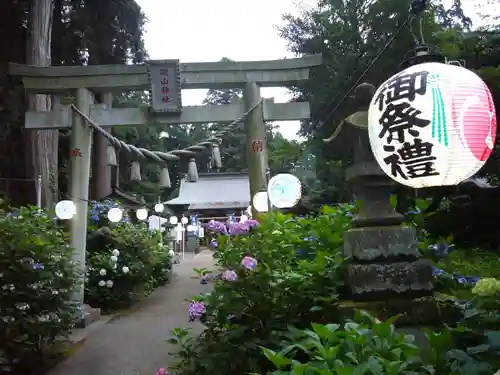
{"points": [[439, 130]]}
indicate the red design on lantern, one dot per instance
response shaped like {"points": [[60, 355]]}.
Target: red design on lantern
{"points": [[474, 114]]}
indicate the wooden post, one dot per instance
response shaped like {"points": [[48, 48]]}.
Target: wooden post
{"points": [[101, 171], [80, 148], [255, 130]]}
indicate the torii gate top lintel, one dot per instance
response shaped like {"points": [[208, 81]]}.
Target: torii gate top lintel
{"points": [[199, 75], [112, 78]]}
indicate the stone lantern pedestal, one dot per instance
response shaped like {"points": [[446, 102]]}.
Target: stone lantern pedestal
{"points": [[387, 274]]}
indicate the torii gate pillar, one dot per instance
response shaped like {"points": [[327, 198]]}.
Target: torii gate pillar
{"points": [[255, 131], [79, 177]]}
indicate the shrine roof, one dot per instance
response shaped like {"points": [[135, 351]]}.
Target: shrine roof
{"points": [[220, 190]]}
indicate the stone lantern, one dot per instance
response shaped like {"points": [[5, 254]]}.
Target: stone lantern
{"points": [[387, 274]]}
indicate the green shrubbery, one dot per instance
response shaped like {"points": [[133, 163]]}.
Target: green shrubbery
{"points": [[295, 281], [370, 347], [285, 277], [124, 263], [36, 278]]}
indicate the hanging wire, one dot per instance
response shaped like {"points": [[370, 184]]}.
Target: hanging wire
{"points": [[421, 26], [416, 7], [365, 72]]}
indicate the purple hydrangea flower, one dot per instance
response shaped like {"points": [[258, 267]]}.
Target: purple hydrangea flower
{"points": [[216, 226], [196, 310], [214, 244], [229, 275], [208, 277], [249, 263], [242, 227]]}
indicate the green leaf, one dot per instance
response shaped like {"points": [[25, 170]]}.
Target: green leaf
{"points": [[278, 359], [478, 349]]}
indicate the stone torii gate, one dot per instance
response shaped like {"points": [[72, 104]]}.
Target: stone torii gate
{"points": [[164, 79]]}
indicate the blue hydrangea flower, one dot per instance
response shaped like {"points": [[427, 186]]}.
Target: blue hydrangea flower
{"points": [[437, 272], [38, 266], [442, 249]]}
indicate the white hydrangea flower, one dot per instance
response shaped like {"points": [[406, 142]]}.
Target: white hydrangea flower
{"points": [[171, 253], [109, 283], [102, 283], [114, 258], [8, 319], [22, 306], [43, 318], [114, 266], [102, 272], [125, 269], [116, 252]]}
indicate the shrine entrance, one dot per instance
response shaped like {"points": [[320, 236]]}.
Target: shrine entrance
{"points": [[164, 79]]}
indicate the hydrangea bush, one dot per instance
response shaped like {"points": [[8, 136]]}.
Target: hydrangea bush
{"points": [[125, 263], [368, 346], [36, 278], [98, 213], [264, 285]]}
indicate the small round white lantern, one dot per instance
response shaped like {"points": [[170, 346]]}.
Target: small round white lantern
{"points": [[184, 220], [432, 124], [65, 210], [173, 220], [141, 214], [159, 207], [115, 215], [260, 202], [284, 190]]}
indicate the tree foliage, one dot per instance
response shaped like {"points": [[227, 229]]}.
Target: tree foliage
{"points": [[349, 34], [83, 32]]}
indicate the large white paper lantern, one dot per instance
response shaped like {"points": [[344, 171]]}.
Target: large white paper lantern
{"points": [[141, 214], [260, 202], [284, 190], [432, 124], [65, 209], [115, 214]]}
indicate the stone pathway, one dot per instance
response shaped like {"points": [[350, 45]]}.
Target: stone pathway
{"points": [[134, 344]]}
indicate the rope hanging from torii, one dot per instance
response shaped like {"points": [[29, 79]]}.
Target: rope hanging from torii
{"points": [[163, 157]]}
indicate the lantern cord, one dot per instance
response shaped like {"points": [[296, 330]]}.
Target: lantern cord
{"points": [[421, 26], [365, 72], [158, 156]]}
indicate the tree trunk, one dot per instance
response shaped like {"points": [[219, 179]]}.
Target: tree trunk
{"points": [[41, 145]]}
